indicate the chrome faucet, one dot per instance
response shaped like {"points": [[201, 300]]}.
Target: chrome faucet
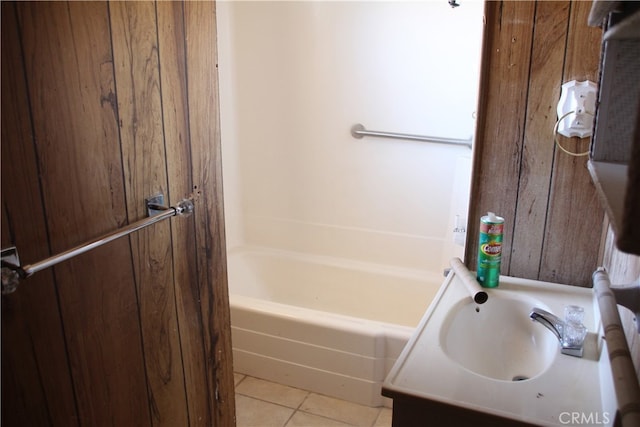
{"points": [[557, 327]]}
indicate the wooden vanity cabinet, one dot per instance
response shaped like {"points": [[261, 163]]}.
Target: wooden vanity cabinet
{"points": [[411, 411]]}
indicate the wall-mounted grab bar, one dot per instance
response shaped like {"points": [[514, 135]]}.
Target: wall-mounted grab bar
{"points": [[359, 131], [13, 272]]}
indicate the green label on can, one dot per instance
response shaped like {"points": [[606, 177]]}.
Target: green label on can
{"points": [[490, 251]]}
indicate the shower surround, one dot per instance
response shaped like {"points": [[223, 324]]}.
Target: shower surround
{"points": [[320, 225]]}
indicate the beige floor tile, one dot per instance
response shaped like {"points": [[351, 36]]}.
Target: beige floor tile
{"points": [[340, 410], [303, 419], [384, 419], [256, 413], [272, 392]]}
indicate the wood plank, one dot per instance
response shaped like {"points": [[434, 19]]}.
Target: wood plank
{"points": [[70, 77], [502, 107], [545, 79], [175, 116], [36, 382], [575, 215], [136, 65], [623, 269], [204, 127]]}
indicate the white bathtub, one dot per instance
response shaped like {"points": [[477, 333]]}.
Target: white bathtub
{"points": [[323, 324]]}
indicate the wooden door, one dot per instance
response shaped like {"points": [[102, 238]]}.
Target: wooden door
{"points": [[103, 105]]}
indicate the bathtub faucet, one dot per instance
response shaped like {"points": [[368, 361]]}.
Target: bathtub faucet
{"points": [[570, 336]]}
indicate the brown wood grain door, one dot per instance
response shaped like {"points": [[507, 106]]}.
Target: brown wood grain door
{"points": [[103, 105]]}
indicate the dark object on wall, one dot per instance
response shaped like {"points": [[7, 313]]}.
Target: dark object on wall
{"points": [[615, 149]]}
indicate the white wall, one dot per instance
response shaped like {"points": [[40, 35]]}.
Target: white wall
{"points": [[294, 78]]}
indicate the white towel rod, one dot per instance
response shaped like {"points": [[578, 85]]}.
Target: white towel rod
{"points": [[358, 131]]}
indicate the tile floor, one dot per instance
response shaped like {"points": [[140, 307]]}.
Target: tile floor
{"points": [[261, 403]]}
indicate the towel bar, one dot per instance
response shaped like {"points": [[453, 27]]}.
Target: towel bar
{"points": [[13, 272]]}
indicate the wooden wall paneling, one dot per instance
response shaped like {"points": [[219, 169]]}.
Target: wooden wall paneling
{"points": [[571, 224], [503, 101], [70, 79], [175, 113], [623, 268], [204, 128], [575, 215], [36, 385], [136, 64], [545, 78]]}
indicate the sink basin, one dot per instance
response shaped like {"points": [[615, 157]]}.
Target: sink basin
{"points": [[493, 362], [498, 340]]}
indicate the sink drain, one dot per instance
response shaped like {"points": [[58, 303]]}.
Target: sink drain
{"points": [[520, 378]]}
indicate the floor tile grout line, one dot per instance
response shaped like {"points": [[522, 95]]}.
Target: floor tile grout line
{"points": [[295, 410], [327, 418], [375, 420], [341, 421], [303, 400], [299, 406], [244, 377], [307, 392], [267, 401], [289, 419], [380, 410]]}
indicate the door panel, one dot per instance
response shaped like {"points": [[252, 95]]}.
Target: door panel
{"points": [[173, 79], [137, 72], [33, 343], [67, 59], [97, 115]]}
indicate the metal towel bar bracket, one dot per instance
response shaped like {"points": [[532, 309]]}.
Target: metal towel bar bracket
{"points": [[13, 272], [358, 131]]}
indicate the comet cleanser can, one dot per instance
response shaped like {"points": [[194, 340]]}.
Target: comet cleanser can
{"points": [[490, 250]]}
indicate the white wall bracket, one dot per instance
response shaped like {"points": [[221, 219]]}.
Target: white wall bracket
{"points": [[576, 108]]}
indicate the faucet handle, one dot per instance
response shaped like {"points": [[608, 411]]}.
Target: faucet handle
{"points": [[573, 335]]}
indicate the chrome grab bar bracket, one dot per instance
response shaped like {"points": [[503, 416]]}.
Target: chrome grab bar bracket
{"points": [[356, 131], [155, 205]]}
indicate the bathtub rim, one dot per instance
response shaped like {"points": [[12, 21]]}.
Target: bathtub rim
{"points": [[317, 317]]}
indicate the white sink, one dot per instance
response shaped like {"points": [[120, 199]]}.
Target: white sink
{"points": [[493, 359], [498, 339]]}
